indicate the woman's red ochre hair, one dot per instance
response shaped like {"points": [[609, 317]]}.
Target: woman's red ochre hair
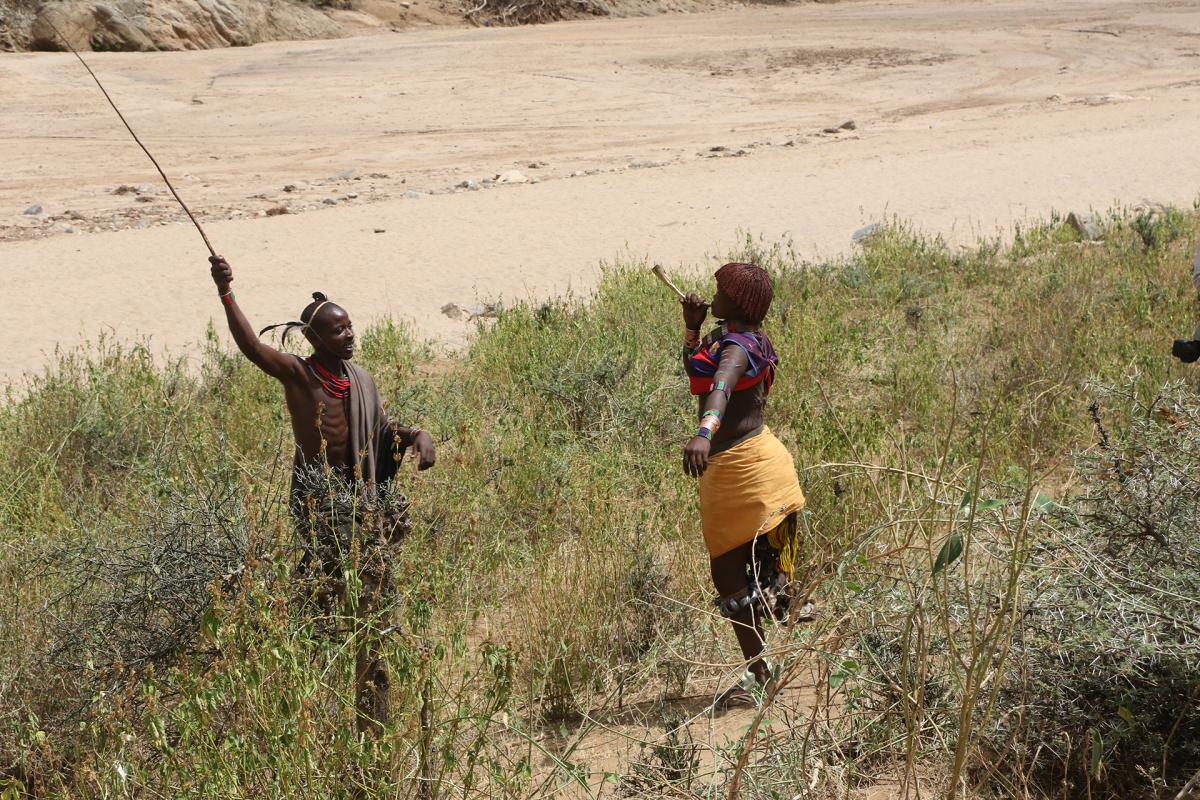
{"points": [[747, 285]]}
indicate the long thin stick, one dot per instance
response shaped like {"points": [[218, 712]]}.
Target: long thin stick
{"points": [[1186, 791], [166, 180], [662, 276]]}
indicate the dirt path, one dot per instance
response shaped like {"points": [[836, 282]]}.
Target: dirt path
{"points": [[969, 116]]}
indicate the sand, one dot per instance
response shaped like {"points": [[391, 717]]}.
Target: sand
{"points": [[970, 116]]}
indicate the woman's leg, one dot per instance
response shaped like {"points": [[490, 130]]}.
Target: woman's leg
{"points": [[729, 577]]}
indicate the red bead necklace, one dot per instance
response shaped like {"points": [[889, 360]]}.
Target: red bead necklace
{"points": [[332, 384]]}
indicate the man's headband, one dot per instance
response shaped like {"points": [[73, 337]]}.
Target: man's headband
{"points": [[316, 311]]}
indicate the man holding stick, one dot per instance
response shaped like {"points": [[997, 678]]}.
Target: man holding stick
{"points": [[346, 447]]}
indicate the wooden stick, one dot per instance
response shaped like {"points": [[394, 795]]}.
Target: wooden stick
{"points": [[1187, 790], [166, 180], [662, 276]]}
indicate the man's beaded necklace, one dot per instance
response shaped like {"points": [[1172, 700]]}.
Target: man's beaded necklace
{"points": [[332, 384]]}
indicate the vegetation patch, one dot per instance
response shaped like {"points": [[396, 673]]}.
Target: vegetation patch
{"points": [[1000, 460]]}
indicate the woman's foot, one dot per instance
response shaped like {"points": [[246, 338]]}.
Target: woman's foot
{"points": [[736, 696], [747, 693], [807, 612]]}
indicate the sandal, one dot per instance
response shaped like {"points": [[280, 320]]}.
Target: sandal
{"points": [[736, 696], [746, 693]]}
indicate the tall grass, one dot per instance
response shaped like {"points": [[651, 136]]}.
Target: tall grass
{"points": [[554, 591]]}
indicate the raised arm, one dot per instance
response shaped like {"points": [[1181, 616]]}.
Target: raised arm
{"points": [[695, 311], [730, 369], [280, 366]]}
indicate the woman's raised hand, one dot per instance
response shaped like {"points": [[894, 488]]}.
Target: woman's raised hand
{"points": [[695, 311]]}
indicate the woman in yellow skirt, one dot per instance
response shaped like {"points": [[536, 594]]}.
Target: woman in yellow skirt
{"points": [[749, 492]]}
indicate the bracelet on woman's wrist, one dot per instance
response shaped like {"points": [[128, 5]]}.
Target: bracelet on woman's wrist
{"points": [[227, 297], [710, 423]]}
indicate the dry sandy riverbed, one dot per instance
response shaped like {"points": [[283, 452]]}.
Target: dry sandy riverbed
{"points": [[970, 115]]}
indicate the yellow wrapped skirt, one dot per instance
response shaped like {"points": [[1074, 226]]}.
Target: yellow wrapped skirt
{"points": [[747, 490]]}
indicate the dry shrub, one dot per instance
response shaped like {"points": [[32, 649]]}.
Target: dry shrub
{"points": [[526, 12], [134, 598], [1103, 694], [594, 623]]}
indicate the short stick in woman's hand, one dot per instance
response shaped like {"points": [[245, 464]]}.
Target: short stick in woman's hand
{"points": [[662, 276]]}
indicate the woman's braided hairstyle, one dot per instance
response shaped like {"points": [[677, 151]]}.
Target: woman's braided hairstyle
{"points": [[749, 287]]}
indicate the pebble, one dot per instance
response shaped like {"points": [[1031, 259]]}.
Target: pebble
{"points": [[68, 228], [512, 176], [381, 230], [536, 164], [352, 195], [1104, 99], [848, 125], [413, 195], [457, 311], [275, 211], [578, 173], [34, 209], [467, 313], [1085, 225], [329, 201], [866, 232], [645, 164], [467, 184], [295, 187], [344, 175]]}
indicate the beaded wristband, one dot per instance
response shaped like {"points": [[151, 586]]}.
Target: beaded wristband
{"points": [[227, 298]]}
